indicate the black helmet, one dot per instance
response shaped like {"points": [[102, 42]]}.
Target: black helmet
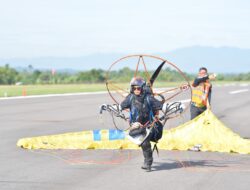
{"points": [[137, 81]]}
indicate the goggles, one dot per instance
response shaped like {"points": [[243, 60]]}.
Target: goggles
{"points": [[136, 88]]}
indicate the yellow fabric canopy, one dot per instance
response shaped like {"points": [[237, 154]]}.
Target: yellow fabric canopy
{"points": [[205, 130]]}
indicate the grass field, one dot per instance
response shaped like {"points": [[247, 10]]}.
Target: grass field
{"points": [[26, 90]]}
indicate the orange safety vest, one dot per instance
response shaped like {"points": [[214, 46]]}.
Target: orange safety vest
{"points": [[200, 94]]}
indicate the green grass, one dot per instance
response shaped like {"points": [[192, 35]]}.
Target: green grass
{"points": [[26, 90], [12, 90], [48, 89]]}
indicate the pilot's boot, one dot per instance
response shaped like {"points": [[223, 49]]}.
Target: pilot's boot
{"points": [[148, 155], [146, 167]]}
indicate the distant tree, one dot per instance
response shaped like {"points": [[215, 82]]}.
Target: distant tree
{"points": [[30, 75], [45, 77], [8, 75], [30, 68], [92, 76]]}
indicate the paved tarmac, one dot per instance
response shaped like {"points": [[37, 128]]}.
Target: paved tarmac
{"points": [[114, 169]]}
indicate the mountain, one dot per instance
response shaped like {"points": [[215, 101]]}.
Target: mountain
{"points": [[219, 60], [189, 59]]}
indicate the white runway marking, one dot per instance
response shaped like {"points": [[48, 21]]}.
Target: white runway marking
{"points": [[244, 84], [239, 91], [185, 101], [67, 94], [53, 95]]}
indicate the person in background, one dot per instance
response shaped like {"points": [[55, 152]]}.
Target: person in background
{"points": [[201, 92]]}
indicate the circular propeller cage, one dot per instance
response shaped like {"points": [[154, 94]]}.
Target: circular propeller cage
{"points": [[165, 80]]}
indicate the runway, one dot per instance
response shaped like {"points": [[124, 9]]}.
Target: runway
{"points": [[113, 169]]}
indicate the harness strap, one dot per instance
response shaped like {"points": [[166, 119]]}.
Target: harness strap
{"points": [[130, 113], [156, 148], [151, 114]]}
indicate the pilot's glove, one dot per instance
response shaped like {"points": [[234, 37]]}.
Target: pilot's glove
{"points": [[135, 125]]}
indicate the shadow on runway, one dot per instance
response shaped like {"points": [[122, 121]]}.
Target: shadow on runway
{"points": [[176, 164]]}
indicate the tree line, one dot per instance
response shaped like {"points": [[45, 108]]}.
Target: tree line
{"points": [[29, 75]]}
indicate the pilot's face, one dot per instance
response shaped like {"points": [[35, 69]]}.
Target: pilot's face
{"points": [[137, 90]]}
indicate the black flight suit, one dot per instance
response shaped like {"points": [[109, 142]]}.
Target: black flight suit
{"points": [[140, 112]]}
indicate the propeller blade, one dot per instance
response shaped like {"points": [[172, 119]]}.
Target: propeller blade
{"points": [[156, 73]]}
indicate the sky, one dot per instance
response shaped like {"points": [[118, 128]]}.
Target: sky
{"points": [[68, 28]]}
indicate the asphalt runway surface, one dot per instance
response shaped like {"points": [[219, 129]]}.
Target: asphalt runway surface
{"points": [[114, 169]]}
